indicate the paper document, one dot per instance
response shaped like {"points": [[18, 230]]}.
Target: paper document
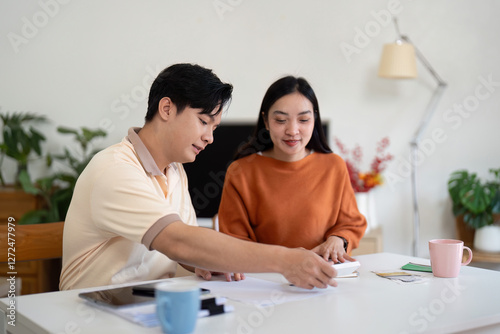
{"points": [[402, 277], [144, 315], [261, 292], [137, 304]]}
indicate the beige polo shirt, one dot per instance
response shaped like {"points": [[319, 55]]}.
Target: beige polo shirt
{"points": [[118, 207]]}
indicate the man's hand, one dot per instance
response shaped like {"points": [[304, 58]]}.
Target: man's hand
{"points": [[307, 270]]}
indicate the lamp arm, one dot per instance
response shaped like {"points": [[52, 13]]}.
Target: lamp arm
{"points": [[424, 61], [419, 54], [431, 106]]}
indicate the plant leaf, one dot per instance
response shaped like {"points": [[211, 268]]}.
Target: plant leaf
{"points": [[475, 197], [457, 181], [495, 202], [34, 217], [26, 183], [478, 221]]}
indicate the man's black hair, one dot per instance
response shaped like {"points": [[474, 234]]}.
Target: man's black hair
{"points": [[189, 85]]}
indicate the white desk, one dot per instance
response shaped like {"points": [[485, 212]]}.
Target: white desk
{"points": [[367, 304]]}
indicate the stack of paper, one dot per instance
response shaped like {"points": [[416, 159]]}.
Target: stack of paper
{"points": [[145, 315]]}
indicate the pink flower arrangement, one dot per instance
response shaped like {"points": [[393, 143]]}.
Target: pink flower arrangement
{"points": [[363, 182]]}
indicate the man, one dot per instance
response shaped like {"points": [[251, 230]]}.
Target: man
{"points": [[131, 217]]}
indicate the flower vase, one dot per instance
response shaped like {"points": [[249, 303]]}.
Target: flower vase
{"points": [[366, 206]]}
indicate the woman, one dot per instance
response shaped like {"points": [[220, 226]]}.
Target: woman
{"points": [[286, 187]]}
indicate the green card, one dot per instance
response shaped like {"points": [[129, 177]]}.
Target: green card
{"points": [[417, 267]]}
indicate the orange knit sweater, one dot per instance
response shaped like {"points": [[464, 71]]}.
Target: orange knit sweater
{"points": [[293, 204]]}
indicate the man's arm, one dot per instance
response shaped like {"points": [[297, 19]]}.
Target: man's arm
{"points": [[211, 250]]}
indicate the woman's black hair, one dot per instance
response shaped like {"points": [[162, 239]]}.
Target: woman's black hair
{"points": [[261, 140], [189, 85]]}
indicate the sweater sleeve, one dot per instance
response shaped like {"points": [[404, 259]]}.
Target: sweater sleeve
{"points": [[233, 213], [350, 224]]}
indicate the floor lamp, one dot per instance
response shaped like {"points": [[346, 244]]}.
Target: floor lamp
{"points": [[399, 62]]}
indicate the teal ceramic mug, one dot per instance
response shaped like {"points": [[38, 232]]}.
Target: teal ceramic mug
{"points": [[177, 306]]}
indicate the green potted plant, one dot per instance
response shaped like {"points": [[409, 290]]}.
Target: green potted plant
{"points": [[20, 140], [56, 190], [477, 202]]}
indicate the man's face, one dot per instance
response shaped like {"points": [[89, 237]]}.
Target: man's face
{"points": [[189, 133]]}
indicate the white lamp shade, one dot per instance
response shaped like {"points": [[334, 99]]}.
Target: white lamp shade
{"points": [[398, 61]]}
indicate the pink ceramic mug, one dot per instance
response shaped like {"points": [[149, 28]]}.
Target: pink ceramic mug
{"points": [[446, 257]]}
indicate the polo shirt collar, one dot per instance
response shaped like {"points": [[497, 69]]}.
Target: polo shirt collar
{"points": [[142, 152]]}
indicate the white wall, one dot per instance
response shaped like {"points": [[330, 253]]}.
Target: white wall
{"points": [[90, 63]]}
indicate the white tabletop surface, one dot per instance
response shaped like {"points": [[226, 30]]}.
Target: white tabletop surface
{"points": [[366, 304]]}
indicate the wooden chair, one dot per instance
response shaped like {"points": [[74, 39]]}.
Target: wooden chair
{"points": [[30, 244]]}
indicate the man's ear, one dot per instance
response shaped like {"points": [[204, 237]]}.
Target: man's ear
{"points": [[165, 108]]}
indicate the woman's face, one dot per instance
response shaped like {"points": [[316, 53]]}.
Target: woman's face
{"points": [[290, 122]]}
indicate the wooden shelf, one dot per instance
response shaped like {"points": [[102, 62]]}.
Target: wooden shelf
{"points": [[479, 256], [370, 243]]}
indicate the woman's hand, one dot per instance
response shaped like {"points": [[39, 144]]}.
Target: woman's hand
{"points": [[333, 248], [207, 275]]}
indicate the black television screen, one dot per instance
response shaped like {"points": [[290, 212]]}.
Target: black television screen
{"points": [[206, 174]]}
